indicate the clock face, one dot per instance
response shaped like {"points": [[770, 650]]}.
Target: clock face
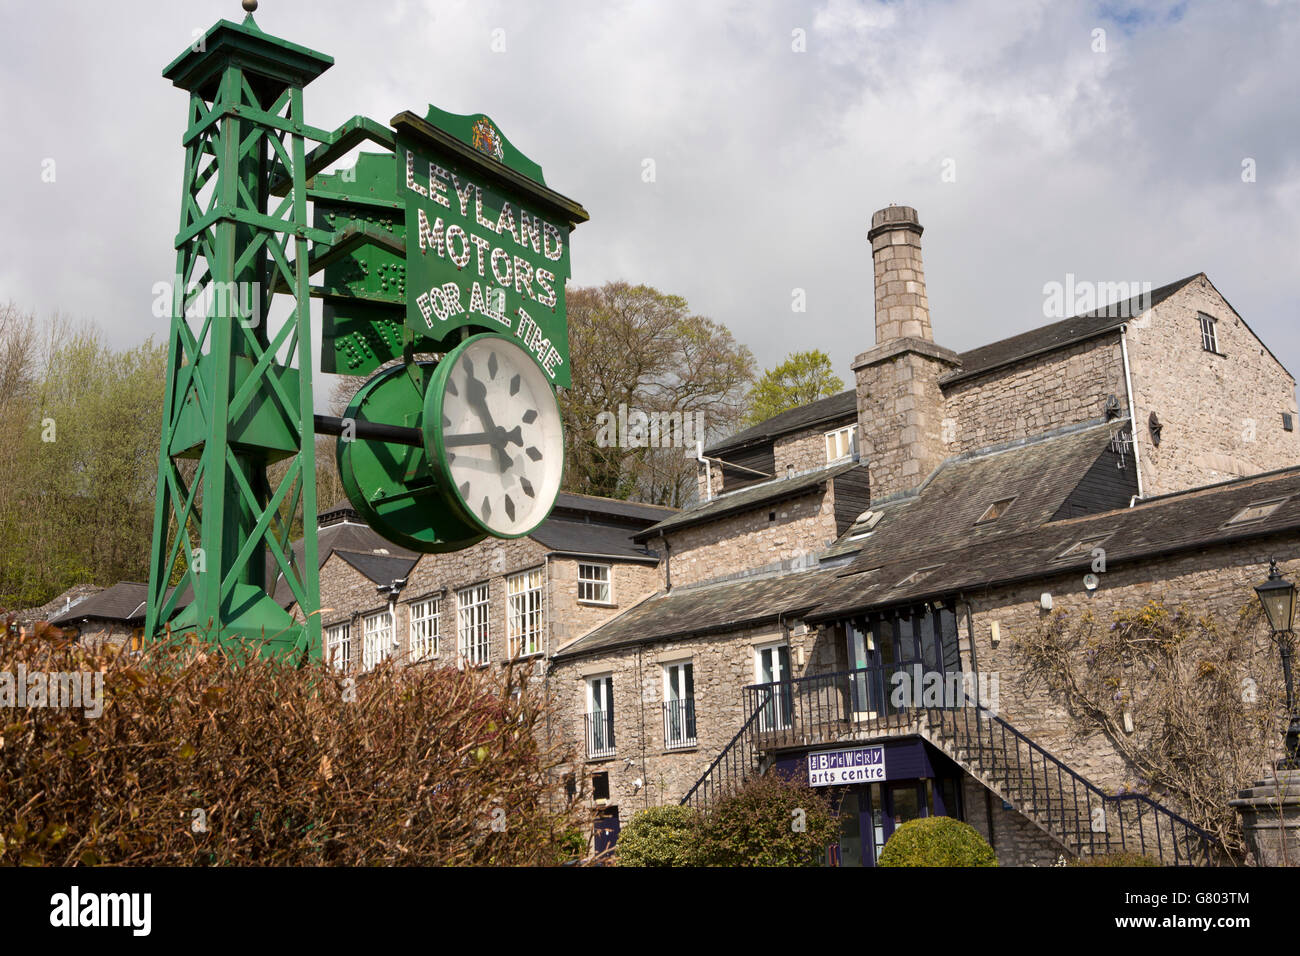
{"points": [[493, 434]]}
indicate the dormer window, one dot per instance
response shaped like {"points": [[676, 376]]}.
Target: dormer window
{"points": [[996, 510], [1209, 340], [840, 443]]}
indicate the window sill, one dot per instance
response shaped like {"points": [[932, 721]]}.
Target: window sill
{"points": [[683, 749], [597, 603], [531, 655], [1213, 352], [607, 758]]}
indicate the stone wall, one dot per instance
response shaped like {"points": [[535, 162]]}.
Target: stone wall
{"points": [[1221, 413], [1217, 582], [751, 539], [806, 450], [347, 594], [1034, 395], [722, 666], [1015, 840]]}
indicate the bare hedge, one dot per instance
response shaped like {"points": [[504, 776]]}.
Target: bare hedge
{"points": [[200, 760]]}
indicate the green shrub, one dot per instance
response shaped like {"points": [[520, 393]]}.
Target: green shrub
{"points": [[660, 836], [937, 841], [1119, 858], [772, 820]]}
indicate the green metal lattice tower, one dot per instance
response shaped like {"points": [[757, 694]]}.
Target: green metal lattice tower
{"points": [[238, 403]]}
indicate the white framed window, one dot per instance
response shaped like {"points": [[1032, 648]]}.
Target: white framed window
{"points": [[600, 716], [679, 705], [1209, 341], [595, 584], [376, 638], [425, 628], [839, 443], [772, 670], [472, 624], [338, 646], [524, 612]]}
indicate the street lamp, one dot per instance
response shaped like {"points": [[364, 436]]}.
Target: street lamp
{"points": [[1277, 594]]}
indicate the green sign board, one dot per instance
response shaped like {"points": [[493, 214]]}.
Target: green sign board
{"points": [[487, 243]]}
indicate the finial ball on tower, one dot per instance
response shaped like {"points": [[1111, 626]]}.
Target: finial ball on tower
{"points": [[250, 5]]}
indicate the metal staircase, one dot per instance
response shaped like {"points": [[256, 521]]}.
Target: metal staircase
{"points": [[849, 707]]}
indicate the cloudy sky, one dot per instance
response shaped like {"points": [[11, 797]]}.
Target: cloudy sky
{"points": [[1032, 145]]}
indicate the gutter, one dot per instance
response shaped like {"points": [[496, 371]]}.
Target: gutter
{"points": [[1132, 412]]}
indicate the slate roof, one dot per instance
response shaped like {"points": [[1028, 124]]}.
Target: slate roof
{"points": [[751, 496], [1058, 334], [123, 601], [1040, 473], [1189, 520], [940, 518], [57, 605], [591, 537], [701, 609], [380, 568], [568, 502], [823, 410]]}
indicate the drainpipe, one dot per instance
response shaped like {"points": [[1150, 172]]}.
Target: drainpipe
{"points": [[668, 568], [1132, 412]]}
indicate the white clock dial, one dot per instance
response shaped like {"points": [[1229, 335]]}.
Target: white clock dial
{"points": [[499, 430]]}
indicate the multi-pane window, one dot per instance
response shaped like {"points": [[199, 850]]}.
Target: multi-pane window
{"points": [[376, 638], [524, 612], [839, 443], [772, 669], [679, 705], [338, 640], [600, 716], [472, 624], [425, 620], [594, 584], [1209, 341]]}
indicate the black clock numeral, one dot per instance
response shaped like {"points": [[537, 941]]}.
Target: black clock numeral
{"points": [[510, 508], [451, 388], [514, 385], [492, 365], [530, 416], [527, 485], [487, 507], [464, 489], [532, 452]]}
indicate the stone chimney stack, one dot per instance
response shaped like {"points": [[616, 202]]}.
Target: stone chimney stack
{"points": [[900, 403], [902, 310]]}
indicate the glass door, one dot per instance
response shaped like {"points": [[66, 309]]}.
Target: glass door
{"points": [[862, 656], [772, 667]]}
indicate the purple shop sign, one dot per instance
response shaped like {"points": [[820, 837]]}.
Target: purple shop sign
{"points": [[828, 768]]}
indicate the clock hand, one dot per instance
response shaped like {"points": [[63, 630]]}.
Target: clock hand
{"points": [[472, 438], [476, 395]]}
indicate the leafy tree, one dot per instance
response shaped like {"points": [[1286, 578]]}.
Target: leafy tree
{"points": [[802, 378], [79, 420], [639, 351]]}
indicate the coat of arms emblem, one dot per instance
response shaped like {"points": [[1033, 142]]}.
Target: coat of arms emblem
{"points": [[487, 139]]}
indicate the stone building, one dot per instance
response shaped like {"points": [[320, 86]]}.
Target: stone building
{"points": [[921, 524], [495, 602]]}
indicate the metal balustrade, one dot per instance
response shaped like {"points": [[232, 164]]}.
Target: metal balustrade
{"points": [[871, 702], [600, 734], [679, 723]]}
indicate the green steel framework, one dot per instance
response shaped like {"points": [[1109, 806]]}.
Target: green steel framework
{"points": [[231, 406]]}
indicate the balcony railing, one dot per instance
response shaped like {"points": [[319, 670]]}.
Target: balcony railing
{"points": [[829, 707], [679, 723], [600, 734]]}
